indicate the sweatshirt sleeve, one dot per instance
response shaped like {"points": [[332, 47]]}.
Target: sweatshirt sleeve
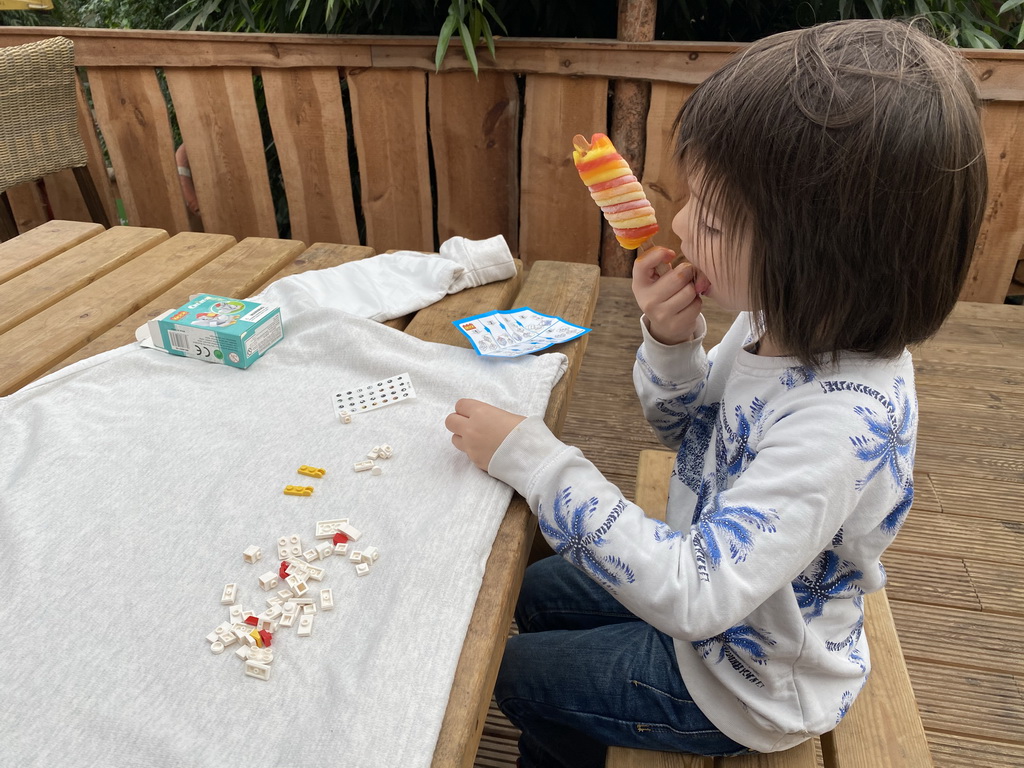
{"points": [[750, 540], [670, 381]]}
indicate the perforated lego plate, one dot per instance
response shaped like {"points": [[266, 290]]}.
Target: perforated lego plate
{"points": [[368, 397]]}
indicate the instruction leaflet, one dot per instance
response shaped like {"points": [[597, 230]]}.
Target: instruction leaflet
{"points": [[515, 332]]}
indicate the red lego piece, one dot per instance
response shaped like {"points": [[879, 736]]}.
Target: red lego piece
{"points": [[283, 570], [252, 620], [340, 538], [266, 637]]}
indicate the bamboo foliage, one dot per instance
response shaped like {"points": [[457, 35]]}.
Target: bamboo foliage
{"points": [[371, 145]]}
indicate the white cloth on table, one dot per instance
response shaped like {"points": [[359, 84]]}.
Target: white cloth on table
{"points": [[131, 483]]}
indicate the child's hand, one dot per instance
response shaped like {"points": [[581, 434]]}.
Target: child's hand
{"points": [[478, 429], [669, 301]]}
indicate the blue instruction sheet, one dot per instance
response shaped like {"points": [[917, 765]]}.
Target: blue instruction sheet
{"points": [[515, 332]]}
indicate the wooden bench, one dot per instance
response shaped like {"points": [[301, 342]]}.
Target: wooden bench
{"points": [[883, 728]]}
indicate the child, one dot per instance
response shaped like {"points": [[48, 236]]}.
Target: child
{"points": [[837, 185]]}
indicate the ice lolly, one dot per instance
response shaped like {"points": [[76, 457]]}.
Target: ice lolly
{"points": [[615, 189]]}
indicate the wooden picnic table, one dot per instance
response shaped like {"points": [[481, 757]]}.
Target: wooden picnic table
{"points": [[70, 290]]}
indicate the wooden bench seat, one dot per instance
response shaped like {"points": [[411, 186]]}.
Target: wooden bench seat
{"points": [[883, 728]]}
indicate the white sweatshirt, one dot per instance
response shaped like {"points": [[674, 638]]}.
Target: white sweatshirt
{"points": [[788, 485]]}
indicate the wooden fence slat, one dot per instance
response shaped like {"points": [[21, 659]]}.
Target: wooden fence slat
{"points": [[132, 115], [663, 179], [308, 122], [216, 111], [1001, 240], [97, 164], [27, 205], [389, 122], [474, 133], [558, 220]]}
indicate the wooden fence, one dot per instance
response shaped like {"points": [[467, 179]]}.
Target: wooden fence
{"points": [[376, 148]]}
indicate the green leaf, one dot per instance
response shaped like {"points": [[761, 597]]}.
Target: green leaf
{"points": [[495, 18], [443, 39], [469, 46], [1009, 5], [876, 9], [490, 39]]}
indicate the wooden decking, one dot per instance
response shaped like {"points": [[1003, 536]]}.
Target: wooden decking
{"points": [[956, 570]]}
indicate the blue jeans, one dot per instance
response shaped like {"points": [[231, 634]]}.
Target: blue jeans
{"points": [[584, 674]]}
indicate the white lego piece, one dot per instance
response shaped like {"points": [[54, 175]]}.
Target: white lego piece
{"points": [[259, 671], [311, 555], [374, 454], [235, 613], [325, 550], [316, 574], [288, 618], [362, 569], [386, 451], [252, 554], [299, 587], [344, 417], [372, 553], [301, 601], [326, 600], [268, 581], [284, 594], [289, 546], [305, 626], [356, 556], [352, 532], [227, 639], [241, 631], [274, 611], [262, 655], [362, 466], [325, 529], [242, 652], [250, 640], [341, 549], [218, 631], [217, 647], [298, 567], [227, 597], [309, 610], [376, 471]]}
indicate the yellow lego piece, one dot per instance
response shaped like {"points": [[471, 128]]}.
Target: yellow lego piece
{"points": [[259, 640], [298, 490], [312, 471]]}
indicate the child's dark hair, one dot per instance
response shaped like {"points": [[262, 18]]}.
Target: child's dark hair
{"points": [[851, 155]]}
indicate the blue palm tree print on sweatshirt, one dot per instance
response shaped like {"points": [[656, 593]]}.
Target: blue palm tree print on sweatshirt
{"points": [[577, 541], [724, 526], [740, 646], [890, 440], [828, 577]]}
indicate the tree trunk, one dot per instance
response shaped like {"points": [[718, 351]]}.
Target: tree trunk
{"points": [[630, 101]]}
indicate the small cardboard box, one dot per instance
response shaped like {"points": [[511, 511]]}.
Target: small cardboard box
{"points": [[218, 330]]}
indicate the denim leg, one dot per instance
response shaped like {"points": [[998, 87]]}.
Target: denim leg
{"points": [[557, 595], [610, 679]]}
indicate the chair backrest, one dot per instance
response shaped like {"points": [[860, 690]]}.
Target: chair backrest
{"points": [[38, 111], [39, 123]]}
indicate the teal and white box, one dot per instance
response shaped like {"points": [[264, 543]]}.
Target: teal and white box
{"points": [[218, 330]]}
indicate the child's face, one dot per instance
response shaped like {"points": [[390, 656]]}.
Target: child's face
{"points": [[722, 256]]}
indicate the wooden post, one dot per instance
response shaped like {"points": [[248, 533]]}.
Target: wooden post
{"points": [[630, 102]]}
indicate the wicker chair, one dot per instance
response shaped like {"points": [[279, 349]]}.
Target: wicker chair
{"points": [[39, 123]]}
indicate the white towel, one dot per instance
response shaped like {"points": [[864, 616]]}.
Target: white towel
{"points": [[131, 483]]}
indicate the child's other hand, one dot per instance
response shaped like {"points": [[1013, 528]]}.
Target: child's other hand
{"points": [[669, 301], [478, 429]]}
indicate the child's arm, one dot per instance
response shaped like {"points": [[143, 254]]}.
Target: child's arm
{"points": [[671, 367], [693, 582]]}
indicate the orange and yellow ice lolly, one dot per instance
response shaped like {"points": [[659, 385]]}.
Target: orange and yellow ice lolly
{"points": [[615, 189]]}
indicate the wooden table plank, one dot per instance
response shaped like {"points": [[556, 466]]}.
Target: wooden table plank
{"points": [[26, 251], [434, 323], [79, 318], [49, 282], [569, 291], [235, 273]]}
